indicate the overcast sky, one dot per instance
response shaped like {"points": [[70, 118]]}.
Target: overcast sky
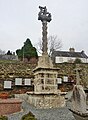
{"points": [[19, 21]]}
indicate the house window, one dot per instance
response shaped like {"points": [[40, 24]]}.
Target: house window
{"points": [[7, 84], [18, 81], [27, 81], [61, 59], [58, 59]]}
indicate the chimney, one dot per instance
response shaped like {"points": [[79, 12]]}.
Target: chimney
{"points": [[72, 50], [82, 51]]}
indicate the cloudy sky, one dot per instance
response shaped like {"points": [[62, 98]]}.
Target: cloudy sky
{"points": [[19, 21]]}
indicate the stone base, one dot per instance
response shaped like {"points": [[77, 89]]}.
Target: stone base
{"points": [[46, 101], [45, 62], [9, 106]]}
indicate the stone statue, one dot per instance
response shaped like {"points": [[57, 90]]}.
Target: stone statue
{"points": [[44, 15]]}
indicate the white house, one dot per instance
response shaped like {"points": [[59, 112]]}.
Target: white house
{"points": [[68, 56]]}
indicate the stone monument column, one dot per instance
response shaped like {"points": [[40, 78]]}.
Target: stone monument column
{"points": [[44, 37], [45, 17]]}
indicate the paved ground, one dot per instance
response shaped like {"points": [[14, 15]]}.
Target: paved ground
{"points": [[44, 114]]}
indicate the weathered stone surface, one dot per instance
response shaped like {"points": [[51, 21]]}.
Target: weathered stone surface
{"points": [[8, 71], [45, 61], [46, 101], [69, 70], [12, 70], [79, 99]]}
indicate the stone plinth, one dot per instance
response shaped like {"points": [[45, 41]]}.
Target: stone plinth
{"points": [[45, 101], [45, 61], [9, 106], [45, 94]]}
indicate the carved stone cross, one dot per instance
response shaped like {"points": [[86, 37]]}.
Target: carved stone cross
{"points": [[45, 17]]}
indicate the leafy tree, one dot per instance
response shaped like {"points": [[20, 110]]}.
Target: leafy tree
{"points": [[77, 60], [9, 53], [27, 51]]}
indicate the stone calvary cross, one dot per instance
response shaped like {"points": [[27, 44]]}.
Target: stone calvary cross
{"points": [[45, 17]]}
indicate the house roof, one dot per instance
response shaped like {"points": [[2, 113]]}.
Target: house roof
{"points": [[69, 54]]}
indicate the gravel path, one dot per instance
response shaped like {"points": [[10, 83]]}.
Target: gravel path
{"points": [[44, 114]]}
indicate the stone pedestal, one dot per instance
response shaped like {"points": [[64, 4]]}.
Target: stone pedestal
{"points": [[45, 61], [46, 94], [46, 101]]}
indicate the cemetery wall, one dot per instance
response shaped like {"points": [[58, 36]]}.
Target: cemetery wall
{"points": [[9, 71]]}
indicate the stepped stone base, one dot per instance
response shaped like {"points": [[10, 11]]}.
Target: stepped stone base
{"points": [[45, 101], [45, 62]]}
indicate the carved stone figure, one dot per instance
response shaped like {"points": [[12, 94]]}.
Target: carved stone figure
{"points": [[44, 15]]}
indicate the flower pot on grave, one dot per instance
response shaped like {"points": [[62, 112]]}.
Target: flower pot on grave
{"points": [[4, 95]]}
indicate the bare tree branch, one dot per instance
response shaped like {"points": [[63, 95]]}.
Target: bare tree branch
{"points": [[53, 44]]}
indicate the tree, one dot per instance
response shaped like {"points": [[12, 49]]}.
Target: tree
{"points": [[9, 53], [27, 51], [53, 44], [2, 52], [77, 60]]}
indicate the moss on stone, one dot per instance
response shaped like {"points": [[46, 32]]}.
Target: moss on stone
{"points": [[28, 116], [3, 117]]}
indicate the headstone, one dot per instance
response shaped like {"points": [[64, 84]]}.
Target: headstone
{"points": [[79, 99]]}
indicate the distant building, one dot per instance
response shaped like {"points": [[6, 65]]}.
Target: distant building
{"points": [[8, 57], [68, 56]]}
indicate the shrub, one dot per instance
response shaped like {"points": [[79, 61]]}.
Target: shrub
{"points": [[28, 116], [3, 117], [77, 60]]}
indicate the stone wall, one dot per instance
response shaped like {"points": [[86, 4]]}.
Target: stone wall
{"points": [[9, 71], [67, 69], [16, 69]]}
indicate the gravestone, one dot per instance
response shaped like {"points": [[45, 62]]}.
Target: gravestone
{"points": [[79, 99]]}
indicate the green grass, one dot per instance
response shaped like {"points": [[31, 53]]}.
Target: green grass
{"points": [[8, 61]]}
